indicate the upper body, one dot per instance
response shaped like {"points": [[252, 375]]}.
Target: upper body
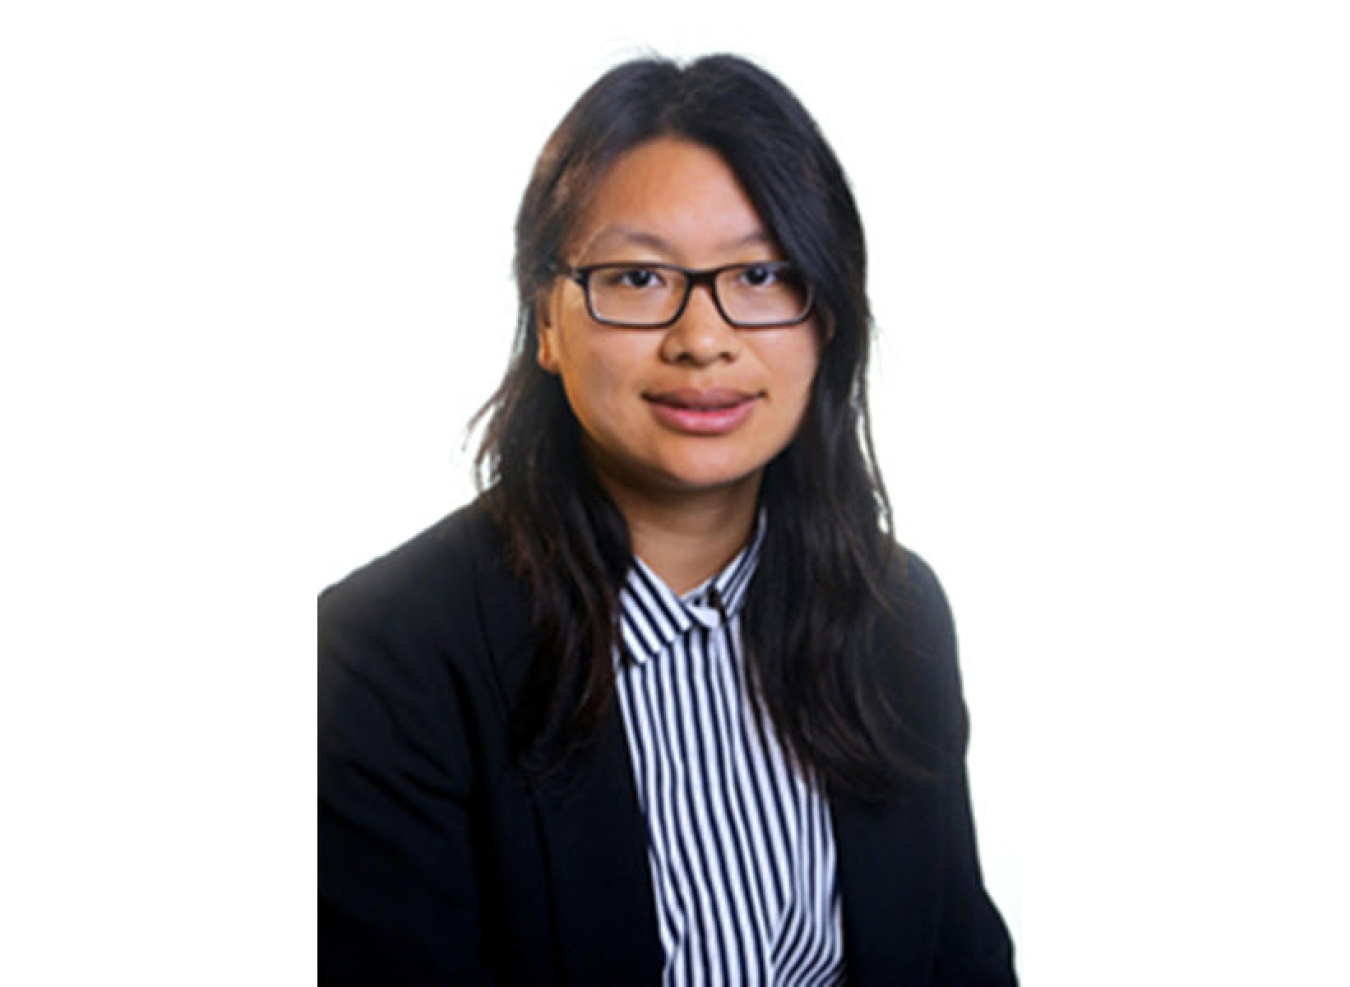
{"points": [[687, 388], [442, 861]]}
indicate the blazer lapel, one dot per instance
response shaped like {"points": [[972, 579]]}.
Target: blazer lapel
{"points": [[599, 876], [888, 864], [594, 833]]}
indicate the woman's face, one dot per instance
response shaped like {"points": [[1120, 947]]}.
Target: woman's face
{"points": [[699, 405]]}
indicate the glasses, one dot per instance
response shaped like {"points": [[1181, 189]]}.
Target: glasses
{"points": [[653, 296]]}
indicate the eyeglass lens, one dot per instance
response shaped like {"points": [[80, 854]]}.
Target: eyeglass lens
{"points": [[748, 294]]}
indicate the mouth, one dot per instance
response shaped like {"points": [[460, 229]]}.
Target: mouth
{"points": [[693, 399], [710, 411]]}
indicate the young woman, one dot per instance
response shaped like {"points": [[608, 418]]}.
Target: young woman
{"points": [[667, 703]]}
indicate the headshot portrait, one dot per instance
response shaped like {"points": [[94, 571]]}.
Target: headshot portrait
{"points": [[812, 501], [667, 701], [794, 495]]}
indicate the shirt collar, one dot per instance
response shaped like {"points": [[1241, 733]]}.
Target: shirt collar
{"points": [[651, 616]]}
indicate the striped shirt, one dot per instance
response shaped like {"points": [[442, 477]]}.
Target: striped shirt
{"points": [[740, 846]]}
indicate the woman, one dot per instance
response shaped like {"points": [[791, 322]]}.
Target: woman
{"points": [[666, 703]]}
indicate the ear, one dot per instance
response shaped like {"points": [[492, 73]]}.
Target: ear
{"points": [[545, 328]]}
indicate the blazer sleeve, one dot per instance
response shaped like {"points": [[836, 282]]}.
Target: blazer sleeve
{"points": [[973, 948], [397, 895]]}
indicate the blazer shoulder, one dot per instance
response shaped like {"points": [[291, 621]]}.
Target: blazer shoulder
{"points": [[920, 647], [437, 566], [444, 601], [924, 608]]}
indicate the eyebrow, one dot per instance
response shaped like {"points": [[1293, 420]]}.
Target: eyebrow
{"points": [[644, 239]]}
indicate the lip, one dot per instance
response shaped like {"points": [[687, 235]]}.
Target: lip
{"points": [[702, 411]]}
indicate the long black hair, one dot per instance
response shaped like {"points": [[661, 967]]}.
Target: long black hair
{"points": [[817, 593]]}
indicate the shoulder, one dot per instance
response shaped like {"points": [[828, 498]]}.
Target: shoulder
{"points": [[442, 611], [918, 651], [921, 603], [436, 568]]}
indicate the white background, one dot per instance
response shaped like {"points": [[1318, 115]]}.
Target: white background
{"points": [[254, 279]]}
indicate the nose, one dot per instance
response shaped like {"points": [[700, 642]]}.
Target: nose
{"points": [[700, 336]]}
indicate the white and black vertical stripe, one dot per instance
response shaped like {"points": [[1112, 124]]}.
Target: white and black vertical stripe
{"points": [[740, 845]]}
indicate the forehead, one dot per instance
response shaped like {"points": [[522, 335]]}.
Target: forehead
{"points": [[673, 196]]}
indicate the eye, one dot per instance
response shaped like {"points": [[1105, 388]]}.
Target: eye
{"points": [[633, 278], [765, 275]]}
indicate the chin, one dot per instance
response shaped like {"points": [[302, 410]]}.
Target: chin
{"points": [[705, 477]]}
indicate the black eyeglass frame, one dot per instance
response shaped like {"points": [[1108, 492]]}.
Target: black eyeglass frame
{"points": [[582, 276]]}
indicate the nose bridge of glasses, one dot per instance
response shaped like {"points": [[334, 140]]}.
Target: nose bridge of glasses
{"points": [[707, 279]]}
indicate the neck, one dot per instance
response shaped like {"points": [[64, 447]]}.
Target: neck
{"points": [[687, 537]]}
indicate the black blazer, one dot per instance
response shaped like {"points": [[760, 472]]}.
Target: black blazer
{"points": [[440, 863]]}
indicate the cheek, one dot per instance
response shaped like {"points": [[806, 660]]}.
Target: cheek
{"points": [[596, 381], [801, 395], [797, 370]]}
